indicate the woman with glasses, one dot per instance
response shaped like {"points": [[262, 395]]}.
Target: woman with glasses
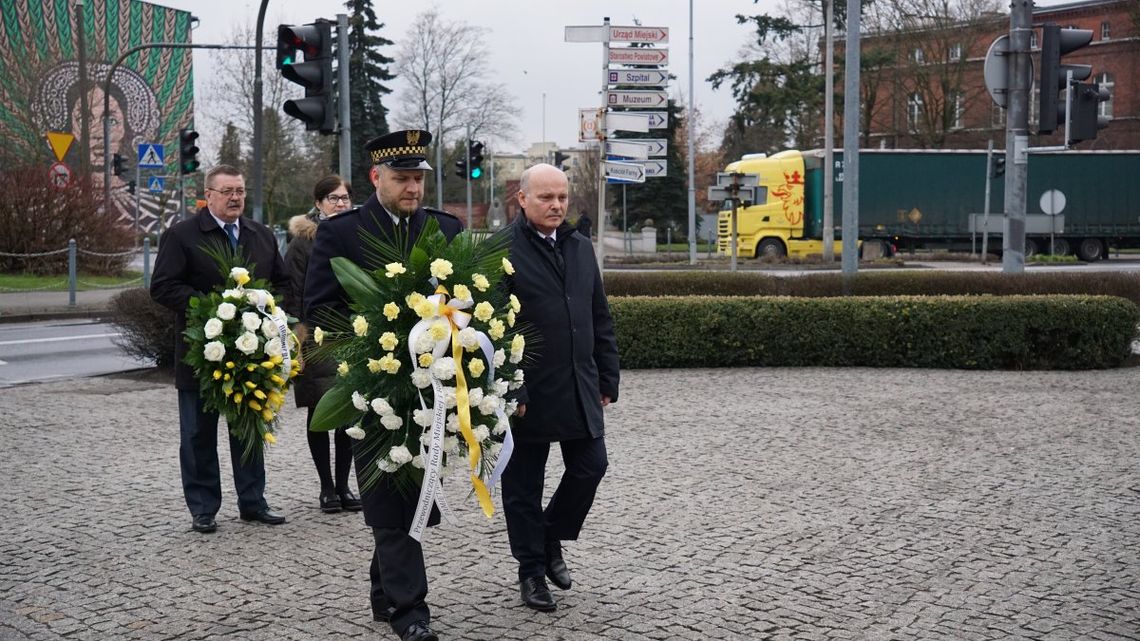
{"points": [[331, 196]]}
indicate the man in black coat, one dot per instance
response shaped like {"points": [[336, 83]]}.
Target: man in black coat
{"points": [[181, 271], [574, 376], [399, 164]]}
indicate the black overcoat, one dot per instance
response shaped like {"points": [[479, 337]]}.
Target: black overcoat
{"points": [[183, 270], [317, 376], [384, 505], [575, 361]]}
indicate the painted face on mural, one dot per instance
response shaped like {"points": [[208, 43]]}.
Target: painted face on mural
{"points": [[95, 123]]}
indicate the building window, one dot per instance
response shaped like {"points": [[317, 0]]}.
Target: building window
{"points": [[956, 52], [1106, 82], [957, 104], [997, 115], [917, 55], [913, 112], [1032, 39], [1105, 31]]}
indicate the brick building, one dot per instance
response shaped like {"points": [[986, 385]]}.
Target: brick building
{"points": [[927, 90]]}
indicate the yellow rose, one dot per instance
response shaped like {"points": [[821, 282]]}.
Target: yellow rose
{"points": [[217, 374], [439, 330], [342, 368], [480, 282], [226, 377], [413, 299], [251, 385], [374, 366], [484, 311], [391, 311], [255, 406], [229, 364], [511, 318], [461, 292], [390, 363], [277, 379], [360, 326], [496, 330], [516, 306], [318, 336], [267, 415], [237, 398], [270, 438], [508, 268], [259, 394], [426, 359], [388, 341], [267, 364], [391, 270], [475, 366], [250, 367], [441, 268]]}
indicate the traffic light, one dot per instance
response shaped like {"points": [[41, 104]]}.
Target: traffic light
{"points": [[1056, 42], [461, 167], [187, 151], [118, 165], [131, 187], [997, 169], [314, 41], [1086, 118], [560, 158], [475, 159]]}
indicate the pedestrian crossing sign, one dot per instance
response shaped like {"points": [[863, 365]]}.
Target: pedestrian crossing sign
{"points": [[156, 185], [151, 156]]}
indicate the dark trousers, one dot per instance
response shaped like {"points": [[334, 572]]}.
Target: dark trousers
{"points": [[399, 579], [198, 458], [529, 526]]}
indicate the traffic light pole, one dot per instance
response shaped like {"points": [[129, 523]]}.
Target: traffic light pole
{"points": [[343, 95], [107, 103], [1017, 138], [258, 116], [467, 150]]}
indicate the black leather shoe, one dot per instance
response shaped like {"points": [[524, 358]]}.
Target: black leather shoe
{"points": [[536, 595], [418, 631], [330, 502], [382, 614], [266, 516], [349, 501], [204, 523], [556, 569]]}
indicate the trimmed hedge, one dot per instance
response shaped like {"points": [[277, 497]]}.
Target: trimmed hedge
{"points": [[871, 283], [964, 332]]}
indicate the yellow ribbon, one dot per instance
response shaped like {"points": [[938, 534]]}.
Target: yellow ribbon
{"points": [[474, 451]]}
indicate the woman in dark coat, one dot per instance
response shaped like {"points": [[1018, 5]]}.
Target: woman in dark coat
{"points": [[331, 196]]}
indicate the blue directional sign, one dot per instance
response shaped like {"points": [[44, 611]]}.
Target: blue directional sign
{"points": [[151, 156], [156, 185]]}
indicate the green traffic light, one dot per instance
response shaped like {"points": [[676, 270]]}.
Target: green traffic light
{"points": [[476, 173], [287, 60]]}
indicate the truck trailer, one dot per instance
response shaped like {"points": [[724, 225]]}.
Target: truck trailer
{"points": [[1081, 202]]}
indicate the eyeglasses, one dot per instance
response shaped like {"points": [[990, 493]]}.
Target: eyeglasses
{"points": [[333, 199], [226, 193]]}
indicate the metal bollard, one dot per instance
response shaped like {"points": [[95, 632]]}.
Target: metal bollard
{"points": [[146, 262], [71, 272]]}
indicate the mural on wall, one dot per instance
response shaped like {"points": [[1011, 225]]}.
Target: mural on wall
{"points": [[151, 94]]}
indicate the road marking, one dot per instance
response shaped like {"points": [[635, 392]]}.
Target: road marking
{"points": [[3, 362], [29, 341]]}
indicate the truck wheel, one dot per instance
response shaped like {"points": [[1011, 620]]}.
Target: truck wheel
{"points": [[773, 247], [1090, 250], [1030, 247], [1061, 247]]}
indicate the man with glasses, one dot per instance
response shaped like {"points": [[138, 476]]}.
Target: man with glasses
{"points": [[181, 271], [394, 214]]}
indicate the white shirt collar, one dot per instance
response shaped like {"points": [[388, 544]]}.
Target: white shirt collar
{"points": [[222, 223]]}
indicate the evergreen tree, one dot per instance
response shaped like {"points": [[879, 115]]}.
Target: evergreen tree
{"points": [[229, 152], [368, 70]]}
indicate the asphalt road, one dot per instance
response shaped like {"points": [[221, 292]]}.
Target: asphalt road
{"points": [[47, 350]]}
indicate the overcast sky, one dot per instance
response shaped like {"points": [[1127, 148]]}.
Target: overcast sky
{"points": [[525, 42]]}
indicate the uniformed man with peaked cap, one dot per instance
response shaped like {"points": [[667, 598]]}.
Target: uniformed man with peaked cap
{"points": [[399, 165]]}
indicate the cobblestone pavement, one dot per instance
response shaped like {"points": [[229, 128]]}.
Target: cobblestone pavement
{"points": [[811, 504]]}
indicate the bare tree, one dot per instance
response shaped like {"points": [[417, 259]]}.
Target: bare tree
{"points": [[446, 84]]}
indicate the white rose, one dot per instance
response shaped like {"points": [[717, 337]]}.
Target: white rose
{"points": [[246, 343], [418, 461], [424, 343], [355, 432], [359, 402], [448, 397], [381, 407], [421, 378], [425, 438], [250, 321], [213, 328], [468, 338], [481, 433], [273, 347], [268, 328], [501, 426], [489, 404], [391, 422], [226, 311], [451, 444], [443, 368], [214, 351], [233, 293], [387, 466], [500, 358], [452, 423], [258, 297], [474, 395], [400, 455], [240, 275], [423, 418], [510, 408], [500, 387]]}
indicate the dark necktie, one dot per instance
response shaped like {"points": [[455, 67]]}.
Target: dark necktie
{"points": [[557, 254], [230, 227]]}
